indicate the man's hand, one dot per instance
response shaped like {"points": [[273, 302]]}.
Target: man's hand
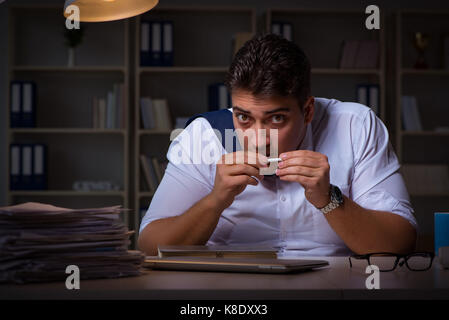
{"points": [[311, 170], [234, 172]]}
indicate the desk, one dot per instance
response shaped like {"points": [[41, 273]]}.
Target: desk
{"points": [[337, 281]]}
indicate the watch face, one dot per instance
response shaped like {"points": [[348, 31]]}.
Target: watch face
{"points": [[336, 194]]}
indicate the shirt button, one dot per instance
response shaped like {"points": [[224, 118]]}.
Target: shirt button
{"points": [[283, 198]]}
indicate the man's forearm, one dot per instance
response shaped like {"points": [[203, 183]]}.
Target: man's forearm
{"points": [[365, 231], [193, 227]]}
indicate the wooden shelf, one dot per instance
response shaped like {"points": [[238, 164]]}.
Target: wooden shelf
{"points": [[146, 194], [422, 195], [425, 72], [52, 193], [183, 69], [69, 69], [425, 133], [68, 130], [154, 131], [376, 72]]}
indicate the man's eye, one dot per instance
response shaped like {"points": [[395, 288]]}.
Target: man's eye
{"points": [[277, 118], [242, 117]]}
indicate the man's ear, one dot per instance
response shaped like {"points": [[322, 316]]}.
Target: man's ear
{"points": [[309, 109]]}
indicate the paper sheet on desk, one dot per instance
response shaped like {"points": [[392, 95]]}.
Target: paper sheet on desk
{"points": [[38, 241]]}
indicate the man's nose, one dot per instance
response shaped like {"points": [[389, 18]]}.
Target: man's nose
{"points": [[261, 138]]}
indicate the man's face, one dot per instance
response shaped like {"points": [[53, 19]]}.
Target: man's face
{"points": [[280, 113]]}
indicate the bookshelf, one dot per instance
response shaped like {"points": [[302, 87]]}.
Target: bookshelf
{"points": [[323, 48], [207, 32], [427, 148], [63, 108]]}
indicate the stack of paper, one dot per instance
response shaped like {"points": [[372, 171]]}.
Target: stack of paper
{"points": [[38, 242]]}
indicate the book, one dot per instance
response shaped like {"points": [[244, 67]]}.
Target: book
{"points": [[102, 113], [217, 251], [147, 113], [349, 54], [110, 110], [411, 119], [149, 173], [162, 114], [367, 54], [359, 54], [157, 169]]}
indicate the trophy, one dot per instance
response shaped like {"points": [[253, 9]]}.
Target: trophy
{"points": [[421, 41]]}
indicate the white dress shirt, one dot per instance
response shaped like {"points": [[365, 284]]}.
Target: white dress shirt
{"points": [[276, 213]]}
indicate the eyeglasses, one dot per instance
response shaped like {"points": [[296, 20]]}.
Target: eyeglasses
{"points": [[386, 261]]}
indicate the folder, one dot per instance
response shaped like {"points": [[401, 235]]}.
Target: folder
{"points": [[15, 167], [27, 167], [219, 97], [373, 98], [39, 167], [283, 29], [28, 104], [287, 31], [15, 104], [156, 44], [368, 95], [145, 54], [167, 43], [276, 28]]}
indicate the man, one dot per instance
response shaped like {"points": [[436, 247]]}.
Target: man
{"points": [[337, 189]]}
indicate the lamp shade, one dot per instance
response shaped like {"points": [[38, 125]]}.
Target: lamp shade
{"points": [[107, 10]]}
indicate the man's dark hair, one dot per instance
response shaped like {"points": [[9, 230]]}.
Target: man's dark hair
{"points": [[269, 65]]}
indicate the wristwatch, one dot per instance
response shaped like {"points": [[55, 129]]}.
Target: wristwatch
{"points": [[336, 199]]}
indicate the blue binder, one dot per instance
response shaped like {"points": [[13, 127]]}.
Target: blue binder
{"points": [[39, 173], [28, 106], [15, 104], [15, 167], [22, 104], [156, 43], [145, 47], [26, 167], [218, 97], [167, 43]]}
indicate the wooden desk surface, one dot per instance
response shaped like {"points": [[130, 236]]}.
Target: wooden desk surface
{"points": [[337, 281]]}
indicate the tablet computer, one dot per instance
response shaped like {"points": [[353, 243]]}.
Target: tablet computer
{"points": [[253, 265]]}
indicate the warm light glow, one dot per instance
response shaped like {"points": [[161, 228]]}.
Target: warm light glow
{"points": [[98, 10]]}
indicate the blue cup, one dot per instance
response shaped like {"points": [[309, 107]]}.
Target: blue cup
{"points": [[441, 231]]}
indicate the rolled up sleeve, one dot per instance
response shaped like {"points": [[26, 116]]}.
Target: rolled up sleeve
{"points": [[377, 183], [184, 182]]}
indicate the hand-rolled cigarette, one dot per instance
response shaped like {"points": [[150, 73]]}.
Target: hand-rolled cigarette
{"points": [[274, 159]]}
